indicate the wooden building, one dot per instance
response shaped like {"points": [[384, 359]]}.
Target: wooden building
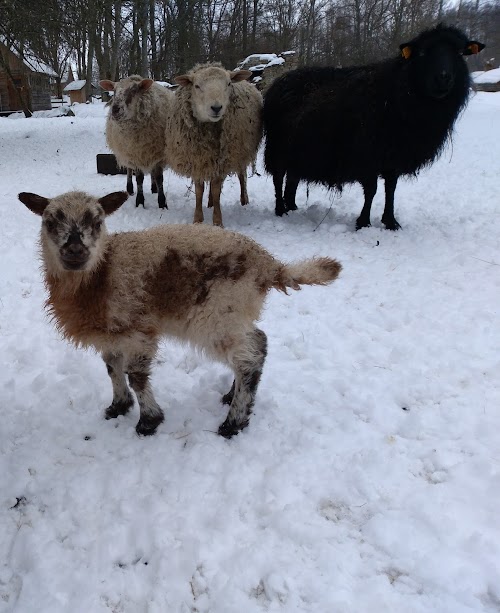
{"points": [[31, 79]]}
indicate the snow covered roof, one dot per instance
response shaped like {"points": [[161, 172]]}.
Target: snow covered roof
{"points": [[75, 86], [29, 59], [486, 76]]}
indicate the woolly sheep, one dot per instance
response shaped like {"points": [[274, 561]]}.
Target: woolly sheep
{"points": [[135, 131], [341, 125], [121, 293], [214, 128]]}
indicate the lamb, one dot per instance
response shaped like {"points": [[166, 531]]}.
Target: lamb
{"points": [[135, 131], [120, 293], [343, 125], [214, 128]]}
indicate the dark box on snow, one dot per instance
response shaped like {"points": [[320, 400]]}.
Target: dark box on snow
{"points": [[106, 165]]}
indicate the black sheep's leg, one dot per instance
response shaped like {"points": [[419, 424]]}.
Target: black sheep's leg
{"points": [[292, 182], [370, 189], [157, 176], [154, 188], [278, 177], [139, 199], [130, 182], [388, 218]]}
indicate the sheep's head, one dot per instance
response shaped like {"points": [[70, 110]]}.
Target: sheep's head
{"points": [[73, 229], [210, 90], [435, 59], [127, 96]]}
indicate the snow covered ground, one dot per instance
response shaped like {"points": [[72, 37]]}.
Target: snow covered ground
{"points": [[368, 480]]}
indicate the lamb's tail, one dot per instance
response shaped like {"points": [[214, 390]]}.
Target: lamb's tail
{"points": [[317, 271]]}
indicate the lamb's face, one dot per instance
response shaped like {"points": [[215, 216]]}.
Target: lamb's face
{"points": [[211, 91], [127, 93], [73, 231]]}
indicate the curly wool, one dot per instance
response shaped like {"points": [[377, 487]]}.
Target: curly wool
{"points": [[139, 143], [205, 151]]}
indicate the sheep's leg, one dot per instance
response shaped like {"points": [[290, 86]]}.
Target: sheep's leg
{"points": [[388, 218], [199, 188], [139, 369], [154, 188], [370, 189], [292, 182], [278, 177], [242, 176], [210, 203], [122, 398], [130, 182], [247, 364], [215, 190], [139, 199], [157, 175]]}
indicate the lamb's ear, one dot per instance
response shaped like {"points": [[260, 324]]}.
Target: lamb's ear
{"points": [[183, 80], [405, 49], [109, 86], [145, 84], [240, 75], [36, 204], [112, 202], [473, 47]]}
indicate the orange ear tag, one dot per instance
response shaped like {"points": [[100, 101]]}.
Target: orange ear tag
{"points": [[406, 52]]}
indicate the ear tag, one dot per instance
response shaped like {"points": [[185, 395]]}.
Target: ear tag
{"points": [[473, 48], [406, 52]]}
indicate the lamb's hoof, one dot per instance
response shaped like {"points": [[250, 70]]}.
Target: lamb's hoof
{"points": [[139, 201], [279, 212], [146, 426], [391, 224], [162, 202], [292, 207], [118, 408], [229, 429]]}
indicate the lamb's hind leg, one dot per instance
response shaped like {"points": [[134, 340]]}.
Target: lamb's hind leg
{"points": [[122, 398], [199, 188], [130, 182], [215, 190], [242, 176], [248, 362], [139, 369], [157, 176], [139, 199]]}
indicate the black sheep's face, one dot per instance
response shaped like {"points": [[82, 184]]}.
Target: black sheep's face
{"points": [[437, 68], [436, 62]]}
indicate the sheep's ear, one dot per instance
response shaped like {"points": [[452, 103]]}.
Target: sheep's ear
{"points": [[36, 204], [145, 84], [240, 75], [109, 86], [112, 202], [473, 47], [405, 50], [183, 80]]}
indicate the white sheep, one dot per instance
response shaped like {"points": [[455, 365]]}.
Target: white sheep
{"points": [[214, 128], [135, 131], [121, 293]]}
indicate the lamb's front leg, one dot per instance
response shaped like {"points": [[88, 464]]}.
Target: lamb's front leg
{"points": [[122, 398], [139, 369]]}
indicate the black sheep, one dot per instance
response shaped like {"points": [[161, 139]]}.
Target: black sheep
{"points": [[341, 125]]}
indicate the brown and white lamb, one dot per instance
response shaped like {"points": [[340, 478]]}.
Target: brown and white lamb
{"points": [[121, 293], [214, 127], [135, 131]]}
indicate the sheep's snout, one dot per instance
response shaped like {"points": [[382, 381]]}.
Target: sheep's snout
{"points": [[116, 111], [443, 83], [74, 255], [216, 111]]}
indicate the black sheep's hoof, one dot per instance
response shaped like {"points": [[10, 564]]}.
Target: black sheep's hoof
{"points": [[139, 200], [292, 207], [146, 426], [229, 429], [130, 191], [162, 202], [391, 224], [360, 223], [118, 408]]}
